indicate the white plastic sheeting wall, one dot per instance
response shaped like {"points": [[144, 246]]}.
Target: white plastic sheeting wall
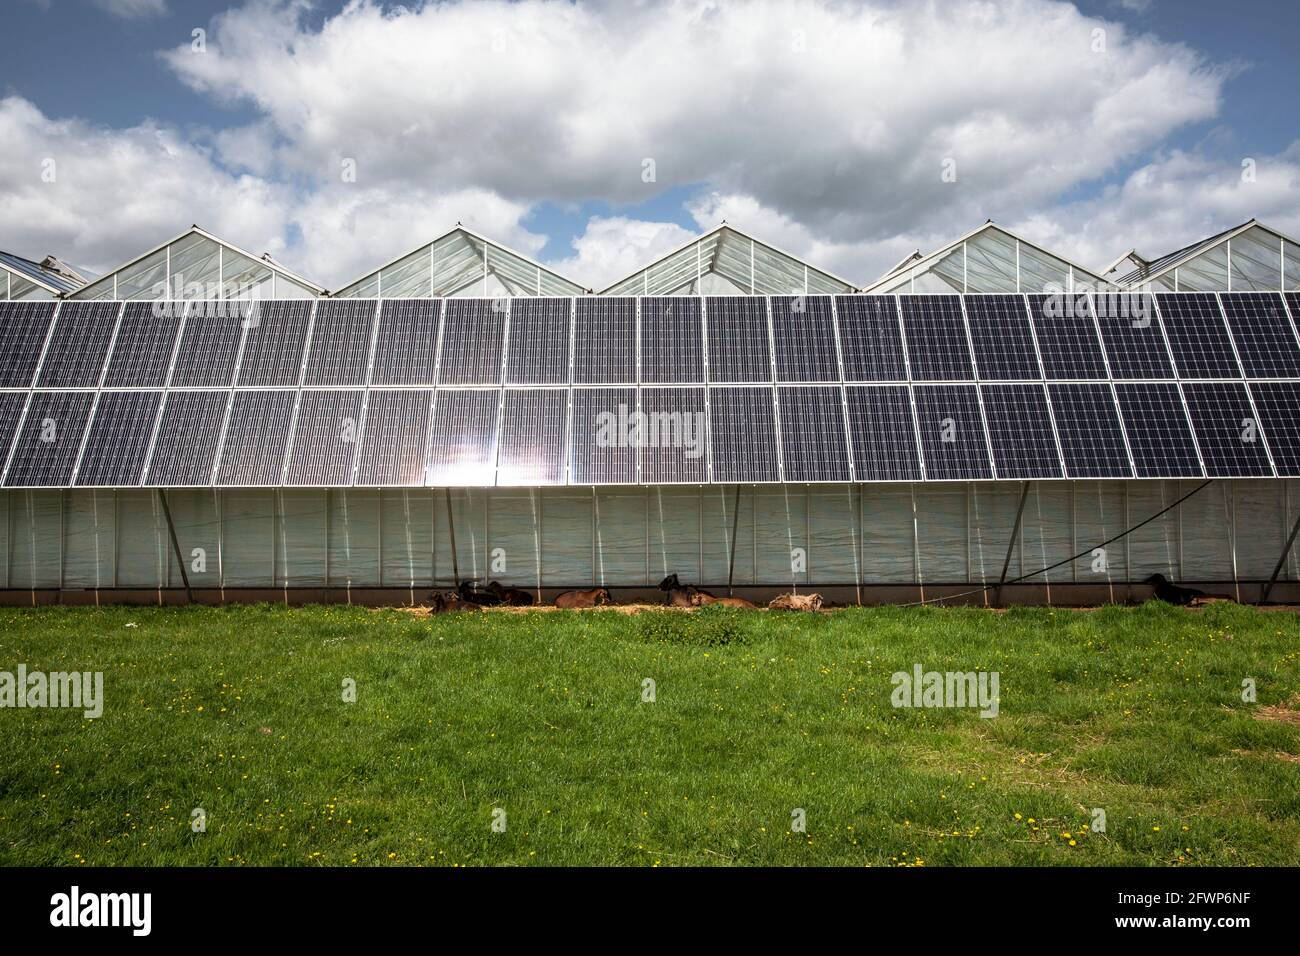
{"points": [[785, 534]]}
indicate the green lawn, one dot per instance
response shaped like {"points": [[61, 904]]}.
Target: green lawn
{"points": [[240, 711]]}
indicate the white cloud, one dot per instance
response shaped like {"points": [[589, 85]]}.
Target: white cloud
{"points": [[115, 193], [837, 116], [132, 9], [615, 246]]}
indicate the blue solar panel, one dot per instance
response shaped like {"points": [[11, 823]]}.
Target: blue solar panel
{"points": [[1262, 331], [209, 347], [1278, 404], [533, 444], [604, 343], [1159, 434], [672, 340], [339, 352], [605, 436], [1020, 431], [142, 350], [936, 338], [870, 338], [24, 327], [999, 331], [883, 433], [462, 438], [325, 436], [803, 336], [274, 343], [257, 433], [1197, 335], [394, 437], [189, 431], [674, 437], [1230, 437], [45, 451], [813, 443], [738, 339], [406, 343], [953, 442], [538, 350], [742, 434], [1088, 425], [473, 337], [1131, 333], [1067, 337], [118, 442], [78, 346]]}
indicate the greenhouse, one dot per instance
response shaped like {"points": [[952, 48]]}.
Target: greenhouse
{"points": [[987, 423]]}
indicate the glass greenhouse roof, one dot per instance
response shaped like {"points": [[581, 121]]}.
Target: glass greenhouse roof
{"points": [[990, 259], [460, 263], [198, 265], [725, 261], [1246, 258], [24, 279]]}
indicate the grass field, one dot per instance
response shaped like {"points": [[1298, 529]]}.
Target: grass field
{"points": [[240, 712]]}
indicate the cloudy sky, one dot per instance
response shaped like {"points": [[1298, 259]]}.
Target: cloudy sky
{"points": [[596, 135]]}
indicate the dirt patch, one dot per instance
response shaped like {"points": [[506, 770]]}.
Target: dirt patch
{"points": [[1288, 713]]}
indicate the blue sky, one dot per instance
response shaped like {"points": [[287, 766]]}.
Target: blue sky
{"points": [[105, 65]]}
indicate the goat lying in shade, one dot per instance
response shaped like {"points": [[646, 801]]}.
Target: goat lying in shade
{"points": [[796, 602], [443, 601], [594, 597], [1166, 590], [687, 595], [511, 597]]}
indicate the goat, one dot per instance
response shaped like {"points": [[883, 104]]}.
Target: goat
{"points": [[512, 597], [444, 601], [593, 597], [797, 602], [687, 595], [480, 596]]}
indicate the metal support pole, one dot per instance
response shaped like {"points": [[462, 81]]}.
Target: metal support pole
{"points": [[735, 522], [451, 530], [1295, 529], [176, 547], [1011, 545]]}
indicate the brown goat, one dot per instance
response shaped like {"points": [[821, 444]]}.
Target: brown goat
{"points": [[580, 599], [512, 597], [797, 602], [444, 601]]}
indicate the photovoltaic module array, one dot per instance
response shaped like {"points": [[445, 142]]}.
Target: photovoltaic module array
{"points": [[654, 390]]}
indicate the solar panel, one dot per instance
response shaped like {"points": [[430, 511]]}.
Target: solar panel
{"points": [[23, 329], [325, 438], [473, 337], [674, 436], [936, 338], [274, 344], [803, 336], [1158, 432], [742, 432], [672, 339], [256, 435], [46, 449], [999, 332], [1278, 404], [79, 344], [738, 339], [209, 346], [118, 442], [1230, 439], [870, 340], [339, 353], [1088, 425], [1020, 431], [1261, 328], [1197, 335], [538, 353], [1067, 337], [883, 434], [605, 436], [462, 439], [406, 344], [189, 431], [604, 344], [533, 445], [142, 351], [1130, 332], [952, 434], [11, 413], [813, 444], [393, 442]]}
